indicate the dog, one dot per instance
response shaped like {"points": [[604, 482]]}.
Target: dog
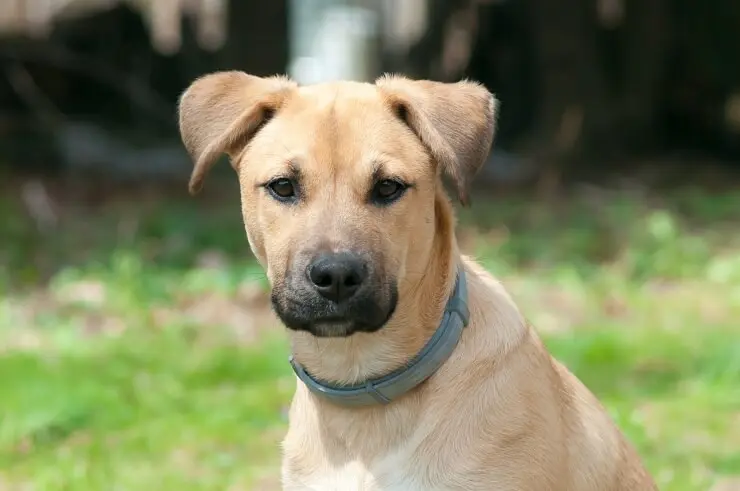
{"points": [[415, 369]]}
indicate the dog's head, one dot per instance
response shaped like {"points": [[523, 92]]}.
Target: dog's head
{"points": [[338, 182]]}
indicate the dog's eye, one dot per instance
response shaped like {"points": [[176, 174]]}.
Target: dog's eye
{"points": [[387, 190], [282, 189]]}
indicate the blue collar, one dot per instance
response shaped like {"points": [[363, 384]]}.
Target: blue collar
{"points": [[432, 356]]}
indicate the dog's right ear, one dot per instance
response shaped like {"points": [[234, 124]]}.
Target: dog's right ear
{"points": [[220, 112]]}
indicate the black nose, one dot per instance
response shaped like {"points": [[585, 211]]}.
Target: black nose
{"points": [[337, 276]]}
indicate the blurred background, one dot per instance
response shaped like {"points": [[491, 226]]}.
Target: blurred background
{"points": [[137, 346]]}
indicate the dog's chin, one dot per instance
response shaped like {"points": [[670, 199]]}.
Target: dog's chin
{"points": [[335, 329], [321, 322]]}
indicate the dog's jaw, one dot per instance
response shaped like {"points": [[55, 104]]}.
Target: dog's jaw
{"points": [[394, 385]]}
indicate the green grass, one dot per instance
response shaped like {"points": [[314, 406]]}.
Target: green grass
{"points": [[137, 350]]}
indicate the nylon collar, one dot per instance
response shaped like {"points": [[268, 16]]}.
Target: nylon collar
{"points": [[433, 355]]}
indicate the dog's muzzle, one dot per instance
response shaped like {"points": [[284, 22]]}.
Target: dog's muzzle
{"points": [[335, 294]]}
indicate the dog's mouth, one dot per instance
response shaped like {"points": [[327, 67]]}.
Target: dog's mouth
{"points": [[302, 312]]}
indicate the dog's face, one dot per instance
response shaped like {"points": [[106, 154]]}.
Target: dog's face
{"points": [[338, 182]]}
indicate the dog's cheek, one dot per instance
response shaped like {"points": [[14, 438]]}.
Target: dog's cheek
{"points": [[256, 240], [255, 237], [257, 249]]}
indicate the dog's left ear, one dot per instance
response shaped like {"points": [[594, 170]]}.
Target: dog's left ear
{"points": [[455, 121]]}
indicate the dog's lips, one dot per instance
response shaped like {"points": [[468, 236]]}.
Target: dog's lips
{"points": [[331, 325], [333, 319], [325, 319]]}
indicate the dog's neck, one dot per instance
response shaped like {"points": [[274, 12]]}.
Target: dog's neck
{"points": [[365, 356]]}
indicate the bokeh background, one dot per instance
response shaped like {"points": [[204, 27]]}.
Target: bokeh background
{"points": [[137, 346]]}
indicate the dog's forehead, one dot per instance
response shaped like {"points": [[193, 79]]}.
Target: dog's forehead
{"points": [[341, 92], [347, 105], [343, 125]]}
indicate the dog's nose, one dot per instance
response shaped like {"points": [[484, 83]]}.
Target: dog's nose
{"points": [[337, 276]]}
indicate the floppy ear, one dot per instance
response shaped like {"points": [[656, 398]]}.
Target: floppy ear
{"points": [[221, 111], [455, 121]]}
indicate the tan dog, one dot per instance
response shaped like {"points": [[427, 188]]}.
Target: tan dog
{"points": [[344, 206]]}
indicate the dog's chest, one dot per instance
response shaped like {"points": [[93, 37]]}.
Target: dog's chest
{"points": [[388, 474]]}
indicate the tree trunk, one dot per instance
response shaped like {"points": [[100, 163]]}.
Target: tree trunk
{"points": [[644, 47], [576, 110]]}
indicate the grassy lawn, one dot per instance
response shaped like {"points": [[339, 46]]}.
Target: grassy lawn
{"points": [[137, 351]]}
